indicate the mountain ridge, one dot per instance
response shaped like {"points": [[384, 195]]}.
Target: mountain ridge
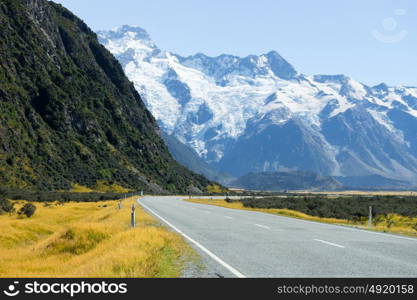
{"points": [[225, 105], [69, 115]]}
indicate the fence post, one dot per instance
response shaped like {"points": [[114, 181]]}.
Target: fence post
{"points": [[370, 217], [133, 217], [120, 204]]}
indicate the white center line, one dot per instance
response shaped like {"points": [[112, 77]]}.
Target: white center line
{"points": [[227, 217], [329, 243], [263, 226], [204, 249]]}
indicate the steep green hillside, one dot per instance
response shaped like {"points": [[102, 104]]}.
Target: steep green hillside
{"points": [[68, 114]]}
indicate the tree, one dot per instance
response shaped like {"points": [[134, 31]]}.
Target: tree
{"points": [[28, 210], [5, 204]]}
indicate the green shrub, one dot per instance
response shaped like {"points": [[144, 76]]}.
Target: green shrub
{"points": [[354, 208], [62, 197], [6, 206], [28, 210], [228, 200]]}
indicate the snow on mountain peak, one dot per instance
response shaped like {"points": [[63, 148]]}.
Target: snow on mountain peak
{"points": [[213, 103], [126, 38], [133, 31]]}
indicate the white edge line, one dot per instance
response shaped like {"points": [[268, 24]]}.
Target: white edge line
{"points": [[228, 217], [341, 226], [386, 234], [204, 249], [262, 226], [329, 243]]}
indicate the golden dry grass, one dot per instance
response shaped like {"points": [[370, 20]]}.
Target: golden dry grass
{"points": [[77, 188], [103, 186], [391, 223], [215, 189], [89, 240]]}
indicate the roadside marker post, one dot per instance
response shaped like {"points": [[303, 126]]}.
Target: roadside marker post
{"points": [[120, 204], [370, 217], [133, 217]]}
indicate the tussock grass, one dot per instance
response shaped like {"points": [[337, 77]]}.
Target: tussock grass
{"points": [[103, 186], [89, 240], [78, 188], [216, 189], [391, 223]]}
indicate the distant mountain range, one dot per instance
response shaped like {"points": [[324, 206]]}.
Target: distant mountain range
{"points": [[259, 114], [69, 115], [282, 181]]}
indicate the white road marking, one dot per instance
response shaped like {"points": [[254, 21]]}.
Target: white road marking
{"points": [[207, 212], [384, 234], [263, 226], [329, 243], [227, 217], [380, 233], [204, 249]]}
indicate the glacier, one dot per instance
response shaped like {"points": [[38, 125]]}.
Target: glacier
{"points": [[257, 113]]}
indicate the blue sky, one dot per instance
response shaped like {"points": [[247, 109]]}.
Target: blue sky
{"points": [[372, 41]]}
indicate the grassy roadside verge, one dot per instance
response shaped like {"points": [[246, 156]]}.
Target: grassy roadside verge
{"points": [[89, 240], [391, 223]]}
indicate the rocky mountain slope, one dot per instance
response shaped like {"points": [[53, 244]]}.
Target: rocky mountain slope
{"points": [[69, 115], [257, 113], [186, 156]]}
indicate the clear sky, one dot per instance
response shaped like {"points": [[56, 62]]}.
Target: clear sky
{"points": [[372, 41]]}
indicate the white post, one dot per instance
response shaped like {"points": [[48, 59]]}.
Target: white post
{"points": [[133, 217], [370, 217]]}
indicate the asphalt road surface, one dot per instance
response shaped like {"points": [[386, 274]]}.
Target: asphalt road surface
{"points": [[237, 243]]}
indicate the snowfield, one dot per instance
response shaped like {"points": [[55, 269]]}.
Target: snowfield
{"points": [[215, 104]]}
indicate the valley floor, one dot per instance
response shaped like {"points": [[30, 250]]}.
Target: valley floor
{"points": [[245, 243], [90, 240]]}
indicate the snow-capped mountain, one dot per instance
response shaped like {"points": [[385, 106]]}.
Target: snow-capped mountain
{"points": [[258, 113]]}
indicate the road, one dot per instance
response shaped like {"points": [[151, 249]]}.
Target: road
{"points": [[237, 243]]}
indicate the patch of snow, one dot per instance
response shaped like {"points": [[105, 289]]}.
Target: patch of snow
{"points": [[235, 93]]}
